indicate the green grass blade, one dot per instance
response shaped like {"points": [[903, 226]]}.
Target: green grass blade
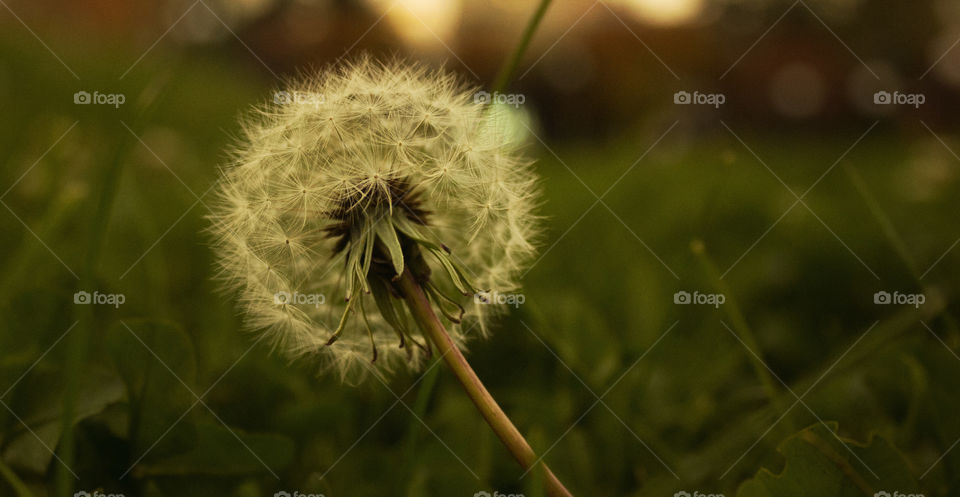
{"points": [[510, 65]]}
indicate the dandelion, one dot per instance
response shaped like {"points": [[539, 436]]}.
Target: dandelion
{"points": [[389, 191], [387, 167]]}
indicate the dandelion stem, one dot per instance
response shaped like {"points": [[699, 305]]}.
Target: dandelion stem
{"points": [[508, 433]]}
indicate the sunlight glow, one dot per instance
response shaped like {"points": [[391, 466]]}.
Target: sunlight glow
{"points": [[664, 12], [423, 22]]}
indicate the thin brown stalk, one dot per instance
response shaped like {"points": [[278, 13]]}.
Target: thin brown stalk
{"points": [[492, 413]]}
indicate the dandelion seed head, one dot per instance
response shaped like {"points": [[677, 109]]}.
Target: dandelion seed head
{"points": [[316, 185]]}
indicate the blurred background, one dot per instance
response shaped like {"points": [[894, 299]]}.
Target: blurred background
{"points": [[798, 159]]}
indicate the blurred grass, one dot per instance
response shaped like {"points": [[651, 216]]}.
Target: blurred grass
{"points": [[598, 299]]}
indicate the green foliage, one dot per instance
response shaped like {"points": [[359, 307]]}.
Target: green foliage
{"points": [[820, 463]]}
